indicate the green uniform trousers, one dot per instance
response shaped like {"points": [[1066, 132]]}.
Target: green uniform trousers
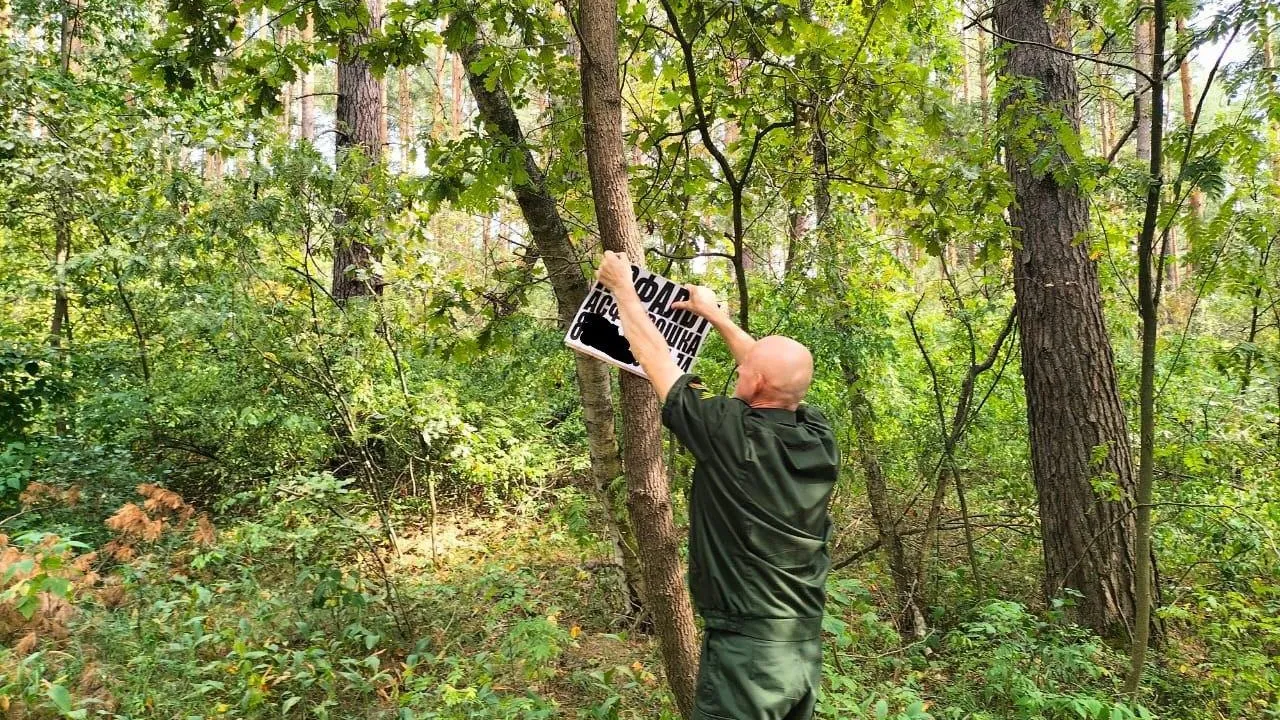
{"points": [[746, 678]]}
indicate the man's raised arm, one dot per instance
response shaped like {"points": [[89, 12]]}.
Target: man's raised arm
{"points": [[702, 302], [647, 344]]}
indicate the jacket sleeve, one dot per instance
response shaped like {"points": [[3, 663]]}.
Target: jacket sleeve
{"points": [[703, 422]]}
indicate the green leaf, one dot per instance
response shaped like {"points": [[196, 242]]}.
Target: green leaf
{"points": [[60, 697], [882, 709]]}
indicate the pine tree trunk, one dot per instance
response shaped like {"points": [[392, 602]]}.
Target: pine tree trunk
{"points": [[984, 83], [455, 98], [404, 121], [307, 110], [1077, 424], [1142, 89], [72, 22], [1104, 110], [649, 497], [359, 133], [1267, 46], [1196, 200], [437, 97], [286, 90]]}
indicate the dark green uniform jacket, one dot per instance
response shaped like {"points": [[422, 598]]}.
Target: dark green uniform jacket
{"points": [[758, 524]]}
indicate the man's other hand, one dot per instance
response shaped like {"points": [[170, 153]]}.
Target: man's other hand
{"points": [[702, 302], [614, 271]]}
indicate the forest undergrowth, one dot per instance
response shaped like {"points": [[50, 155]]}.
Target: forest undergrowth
{"points": [[509, 614]]}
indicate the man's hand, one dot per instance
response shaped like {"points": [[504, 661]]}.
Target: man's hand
{"points": [[702, 302], [614, 271], [647, 344]]}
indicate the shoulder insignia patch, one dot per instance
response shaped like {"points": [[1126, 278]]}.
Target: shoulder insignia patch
{"points": [[702, 390]]}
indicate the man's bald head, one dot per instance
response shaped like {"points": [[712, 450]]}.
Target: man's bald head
{"points": [[777, 373]]}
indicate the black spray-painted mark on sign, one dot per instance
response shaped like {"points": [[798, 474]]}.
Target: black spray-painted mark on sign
{"points": [[596, 330]]}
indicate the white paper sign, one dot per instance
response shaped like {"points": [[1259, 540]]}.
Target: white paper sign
{"points": [[596, 330]]}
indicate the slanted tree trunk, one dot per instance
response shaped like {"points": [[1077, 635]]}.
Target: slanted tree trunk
{"points": [[1080, 453], [551, 240], [648, 493], [306, 92], [359, 132], [907, 615]]}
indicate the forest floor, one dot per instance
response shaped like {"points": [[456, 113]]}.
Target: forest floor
{"points": [[507, 615]]}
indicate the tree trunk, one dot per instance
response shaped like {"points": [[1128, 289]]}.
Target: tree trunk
{"points": [[307, 110], [69, 48], [1196, 200], [1104, 111], [60, 320], [1148, 302], [359, 128], [455, 99], [437, 97], [648, 492], [286, 90], [984, 83], [1142, 38], [908, 615], [404, 119], [551, 240], [1077, 424]]}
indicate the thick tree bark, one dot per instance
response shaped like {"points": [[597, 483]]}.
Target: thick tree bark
{"points": [[360, 127], [551, 240], [307, 109], [1077, 423], [648, 492]]}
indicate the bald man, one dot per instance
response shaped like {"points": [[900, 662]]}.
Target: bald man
{"points": [[758, 525]]}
